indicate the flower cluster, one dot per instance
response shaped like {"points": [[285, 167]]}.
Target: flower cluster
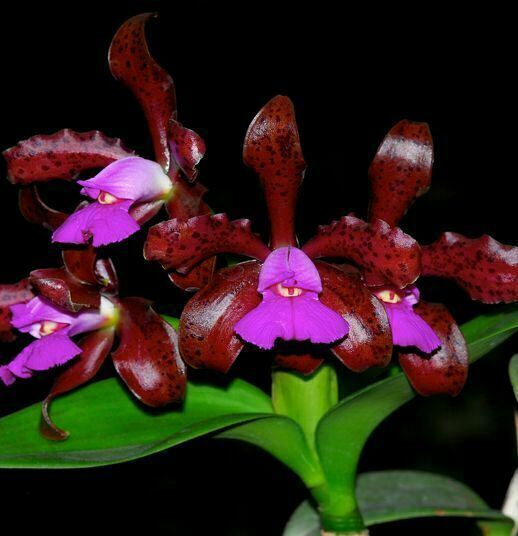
{"points": [[350, 290]]}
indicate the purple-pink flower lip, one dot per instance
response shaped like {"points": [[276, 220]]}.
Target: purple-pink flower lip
{"points": [[290, 310]]}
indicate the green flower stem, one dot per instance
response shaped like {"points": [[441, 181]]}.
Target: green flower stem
{"points": [[306, 399]]}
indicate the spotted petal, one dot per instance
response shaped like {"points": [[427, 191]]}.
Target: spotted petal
{"points": [[369, 342], [207, 337], [132, 64], [58, 286], [180, 245], [446, 370], [386, 255], [272, 149], [61, 155], [147, 358], [401, 170], [95, 347], [485, 268], [187, 150], [20, 292]]}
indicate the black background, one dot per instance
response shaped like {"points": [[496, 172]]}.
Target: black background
{"points": [[351, 77]]}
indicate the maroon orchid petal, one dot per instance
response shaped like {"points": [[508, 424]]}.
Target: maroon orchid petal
{"points": [[485, 268], [445, 371], [305, 364], [61, 155], [132, 64], [369, 341], [386, 255], [95, 348], [62, 289], [147, 358], [187, 149], [207, 337], [9, 295], [187, 201], [107, 276], [197, 278], [272, 149], [34, 210], [401, 170], [143, 212], [180, 245]]}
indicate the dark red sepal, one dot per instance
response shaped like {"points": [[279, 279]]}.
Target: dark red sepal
{"points": [[95, 348], [9, 295], [305, 364], [80, 263], [207, 337], [272, 149], [106, 276], [444, 371], [485, 268], [147, 358], [180, 245], [401, 170], [132, 64], [143, 212], [34, 210], [187, 150], [386, 254], [197, 278], [369, 341], [62, 289], [61, 155]]}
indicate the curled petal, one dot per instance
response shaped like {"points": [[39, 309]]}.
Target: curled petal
{"points": [[197, 278], [305, 363], [43, 354], [95, 347], [180, 245], [132, 64], [386, 255], [272, 149], [147, 358], [401, 170], [9, 295], [486, 269], [61, 155], [63, 290], [187, 149], [132, 178], [107, 276], [34, 210], [369, 341], [207, 337], [103, 224], [446, 370]]}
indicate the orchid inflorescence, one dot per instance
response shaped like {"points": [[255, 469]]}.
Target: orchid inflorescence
{"points": [[350, 291]]}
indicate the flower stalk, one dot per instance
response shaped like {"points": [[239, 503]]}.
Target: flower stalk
{"points": [[306, 399]]}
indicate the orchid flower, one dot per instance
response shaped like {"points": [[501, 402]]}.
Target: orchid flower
{"points": [[431, 348], [283, 294], [55, 306], [129, 190]]}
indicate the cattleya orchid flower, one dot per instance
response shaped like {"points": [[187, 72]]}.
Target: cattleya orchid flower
{"points": [[129, 190], [431, 347], [284, 294], [55, 306], [118, 187]]}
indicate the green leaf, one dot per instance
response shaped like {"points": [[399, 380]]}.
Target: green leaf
{"points": [[386, 496], [513, 374], [109, 426], [174, 322], [283, 438], [344, 430]]}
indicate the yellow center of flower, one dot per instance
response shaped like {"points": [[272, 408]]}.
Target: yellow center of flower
{"points": [[105, 198], [388, 296], [49, 326], [288, 292]]}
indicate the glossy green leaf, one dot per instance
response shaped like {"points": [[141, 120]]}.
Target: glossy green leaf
{"points": [[343, 432], [108, 426], [513, 374], [386, 496]]}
